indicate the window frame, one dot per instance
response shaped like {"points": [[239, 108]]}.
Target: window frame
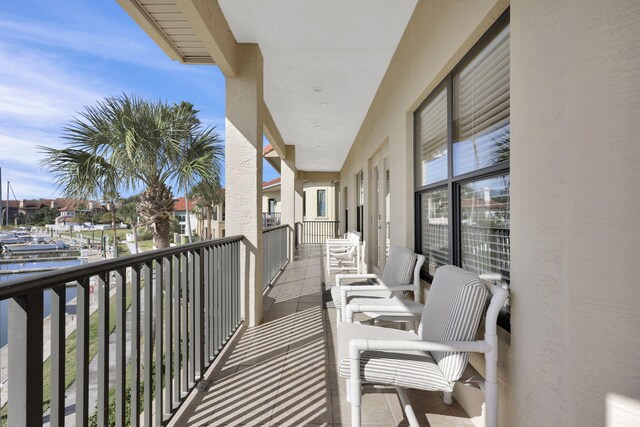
{"points": [[454, 183], [304, 204], [318, 213], [359, 199]]}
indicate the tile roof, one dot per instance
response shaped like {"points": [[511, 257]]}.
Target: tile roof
{"points": [[181, 205], [271, 183]]}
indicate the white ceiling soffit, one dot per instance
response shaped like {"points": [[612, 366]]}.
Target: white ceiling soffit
{"points": [[178, 33], [323, 62]]}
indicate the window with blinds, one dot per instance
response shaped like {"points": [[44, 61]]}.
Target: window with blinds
{"points": [[360, 202], [461, 146], [431, 135], [435, 229], [481, 108], [485, 206], [322, 203]]}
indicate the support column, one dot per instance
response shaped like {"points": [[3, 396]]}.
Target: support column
{"points": [[299, 192], [243, 174], [288, 195]]}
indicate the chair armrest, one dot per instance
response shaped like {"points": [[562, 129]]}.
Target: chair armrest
{"points": [[358, 345], [354, 276], [376, 288], [408, 309]]}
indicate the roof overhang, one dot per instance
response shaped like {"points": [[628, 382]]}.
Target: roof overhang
{"points": [[323, 61]]}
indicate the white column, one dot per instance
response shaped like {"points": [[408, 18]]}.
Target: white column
{"points": [[299, 191], [243, 173], [287, 194]]}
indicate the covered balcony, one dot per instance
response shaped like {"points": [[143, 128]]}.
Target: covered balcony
{"points": [[283, 371], [497, 136]]}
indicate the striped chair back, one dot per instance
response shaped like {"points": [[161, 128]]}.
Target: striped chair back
{"points": [[399, 269], [453, 310]]}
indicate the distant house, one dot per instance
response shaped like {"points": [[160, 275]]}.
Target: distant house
{"points": [[180, 213], [319, 201], [13, 206], [199, 224], [271, 203], [21, 211]]}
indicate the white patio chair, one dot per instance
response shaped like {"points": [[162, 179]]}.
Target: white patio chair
{"points": [[401, 274], [434, 358], [344, 254]]}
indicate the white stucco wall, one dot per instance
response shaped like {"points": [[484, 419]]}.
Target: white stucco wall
{"points": [[311, 190], [573, 357], [575, 169], [271, 193]]}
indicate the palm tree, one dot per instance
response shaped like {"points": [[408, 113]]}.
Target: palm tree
{"points": [[189, 174], [145, 144]]}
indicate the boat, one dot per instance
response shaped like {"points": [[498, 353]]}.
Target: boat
{"points": [[33, 247], [14, 237]]}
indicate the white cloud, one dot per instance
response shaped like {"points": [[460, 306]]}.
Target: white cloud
{"points": [[40, 90], [111, 42], [27, 183]]}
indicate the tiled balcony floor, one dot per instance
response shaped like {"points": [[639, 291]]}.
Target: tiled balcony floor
{"points": [[283, 372]]}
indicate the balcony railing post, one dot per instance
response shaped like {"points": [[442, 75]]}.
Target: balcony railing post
{"points": [[157, 315], [58, 353], [168, 332], [199, 314], [148, 344], [102, 282], [184, 334], [25, 360], [177, 304], [210, 303], [135, 346], [192, 317], [121, 342], [82, 352]]}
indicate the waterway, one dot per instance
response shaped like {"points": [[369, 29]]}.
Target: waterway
{"points": [[37, 262]]}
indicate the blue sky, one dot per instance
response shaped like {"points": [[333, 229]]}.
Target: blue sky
{"points": [[56, 57]]}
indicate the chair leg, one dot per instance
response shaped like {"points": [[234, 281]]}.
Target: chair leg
{"points": [[356, 398], [338, 315], [447, 398], [406, 406], [348, 386], [491, 402]]}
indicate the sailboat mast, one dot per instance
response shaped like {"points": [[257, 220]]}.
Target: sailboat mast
{"points": [[8, 185], [1, 218]]}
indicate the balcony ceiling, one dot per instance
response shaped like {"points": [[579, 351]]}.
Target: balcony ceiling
{"points": [[323, 62]]}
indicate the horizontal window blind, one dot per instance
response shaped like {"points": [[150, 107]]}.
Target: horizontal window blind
{"points": [[482, 107], [431, 135], [435, 229], [485, 207]]}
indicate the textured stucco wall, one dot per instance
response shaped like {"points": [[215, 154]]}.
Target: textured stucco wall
{"points": [[311, 189], [575, 169], [275, 194]]}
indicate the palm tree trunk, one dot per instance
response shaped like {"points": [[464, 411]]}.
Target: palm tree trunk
{"points": [[113, 228], [155, 208], [135, 237], [209, 223]]}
